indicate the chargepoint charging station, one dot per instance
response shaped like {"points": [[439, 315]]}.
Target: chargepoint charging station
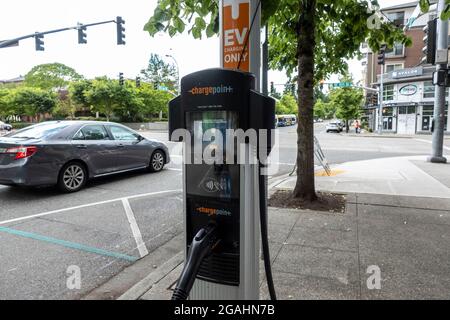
{"points": [[225, 208]]}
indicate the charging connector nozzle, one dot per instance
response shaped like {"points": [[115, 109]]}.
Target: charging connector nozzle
{"points": [[202, 245]]}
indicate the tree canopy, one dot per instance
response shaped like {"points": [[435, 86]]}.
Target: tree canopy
{"points": [[342, 25], [160, 72], [51, 76], [286, 105], [309, 39], [31, 101]]}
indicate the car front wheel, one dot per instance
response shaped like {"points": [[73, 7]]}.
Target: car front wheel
{"points": [[72, 178], [157, 161]]}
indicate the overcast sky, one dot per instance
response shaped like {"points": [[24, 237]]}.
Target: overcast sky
{"points": [[101, 55]]}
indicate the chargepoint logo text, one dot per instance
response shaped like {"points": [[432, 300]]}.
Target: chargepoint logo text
{"points": [[228, 146], [211, 90]]}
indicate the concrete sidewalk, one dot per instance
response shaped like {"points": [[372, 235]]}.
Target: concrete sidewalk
{"points": [[319, 255], [397, 221], [406, 176]]}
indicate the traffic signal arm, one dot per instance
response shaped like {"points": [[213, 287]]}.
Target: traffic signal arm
{"points": [[38, 36]]}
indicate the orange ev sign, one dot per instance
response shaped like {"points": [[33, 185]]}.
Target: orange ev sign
{"points": [[235, 31]]}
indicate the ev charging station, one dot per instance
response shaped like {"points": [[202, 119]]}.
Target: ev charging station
{"points": [[225, 208]]}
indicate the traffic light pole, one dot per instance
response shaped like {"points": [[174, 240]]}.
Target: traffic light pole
{"points": [[439, 103], [380, 99], [14, 42]]}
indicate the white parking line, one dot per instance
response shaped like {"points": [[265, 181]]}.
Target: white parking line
{"points": [[430, 142], [87, 205], [135, 228]]}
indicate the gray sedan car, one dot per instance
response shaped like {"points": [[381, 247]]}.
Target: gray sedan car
{"points": [[68, 153]]}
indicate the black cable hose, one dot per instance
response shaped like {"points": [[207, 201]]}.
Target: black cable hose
{"points": [[265, 233], [201, 247]]}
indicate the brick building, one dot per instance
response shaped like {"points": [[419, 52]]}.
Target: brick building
{"points": [[408, 98]]}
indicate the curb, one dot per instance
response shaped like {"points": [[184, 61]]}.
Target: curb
{"points": [[139, 289]]}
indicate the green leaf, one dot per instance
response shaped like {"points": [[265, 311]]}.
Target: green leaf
{"points": [[424, 5], [200, 23], [445, 14], [179, 24], [172, 31]]}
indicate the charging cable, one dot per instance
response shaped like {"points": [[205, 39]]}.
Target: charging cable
{"points": [[202, 245]]}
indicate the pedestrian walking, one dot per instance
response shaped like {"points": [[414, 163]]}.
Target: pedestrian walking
{"points": [[357, 126]]}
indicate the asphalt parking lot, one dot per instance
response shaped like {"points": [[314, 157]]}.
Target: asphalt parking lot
{"points": [[110, 224], [100, 230]]}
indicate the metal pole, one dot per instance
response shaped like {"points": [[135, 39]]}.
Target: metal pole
{"points": [[8, 43], [265, 60], [380, 99], [439, 96]]}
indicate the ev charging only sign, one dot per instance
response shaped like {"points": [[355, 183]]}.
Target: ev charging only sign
{"points": [[236, 27]]}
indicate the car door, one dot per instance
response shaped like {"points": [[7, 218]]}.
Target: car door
{"points": [[94, 145], [132, 150]]}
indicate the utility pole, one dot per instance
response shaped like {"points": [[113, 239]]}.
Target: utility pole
{"points": [[381, 62], [380, 98], [439, 96]]}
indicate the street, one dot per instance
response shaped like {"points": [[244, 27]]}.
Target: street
{"points": [[116, 220]]}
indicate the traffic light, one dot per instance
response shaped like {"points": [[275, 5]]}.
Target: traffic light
{"points": [[120, 30], [39, 41], [382, 55], [429, 50], [81, 34], [374, 99], [121, 82], [138, 82]]}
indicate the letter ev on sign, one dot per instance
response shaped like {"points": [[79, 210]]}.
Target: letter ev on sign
{"points": [[236, 25]]}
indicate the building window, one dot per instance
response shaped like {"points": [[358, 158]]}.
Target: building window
{"points": [[393, 67], [388, 92], [406, 110], [397, 50], [427, 110], [397, 18], [428, 90]]}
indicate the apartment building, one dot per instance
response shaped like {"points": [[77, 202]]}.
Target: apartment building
{"points": [[408, 98]]}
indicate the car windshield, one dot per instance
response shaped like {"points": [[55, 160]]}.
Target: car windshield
{"points": [[39, 131]]}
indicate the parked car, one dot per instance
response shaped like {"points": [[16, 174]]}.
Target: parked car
{"points": [[69, 153], [333, 127], [5, 126]]}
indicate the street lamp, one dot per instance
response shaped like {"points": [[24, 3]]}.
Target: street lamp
{"points": [[178, 71]]}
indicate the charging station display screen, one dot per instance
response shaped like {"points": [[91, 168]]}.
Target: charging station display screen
{"points": [[209, 130], [218, 180]]}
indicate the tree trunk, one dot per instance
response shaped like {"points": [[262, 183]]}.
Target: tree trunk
{"points": [[305, 187], [347, 129]]}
